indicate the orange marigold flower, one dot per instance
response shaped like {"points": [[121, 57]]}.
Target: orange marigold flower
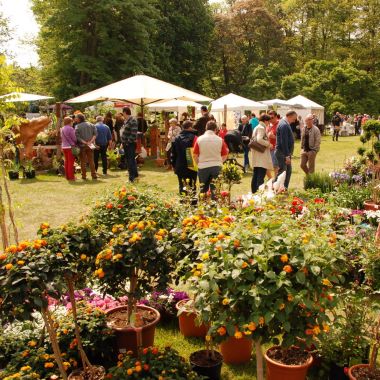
{"points": [[290, 298], [221, 331], [287, 269], [309, 332], [109, 206], [327, 282], [8, 266], [238, 335], [236, 243], [244, 265], [154, 350], [316, 330], [3, 256], [284, 258], [226, 301], [49, 365], [252, 326], [261, 321], [129, 371]]}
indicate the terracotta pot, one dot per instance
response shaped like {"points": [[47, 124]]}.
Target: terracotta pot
{"points": [[236, 351], [187, 324], [278, 371], [350, 375], [371, 206], [78, 374], [126, 337]]}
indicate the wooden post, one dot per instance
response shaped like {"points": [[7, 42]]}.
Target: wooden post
{"points": [[153, 141], [58, 114]]}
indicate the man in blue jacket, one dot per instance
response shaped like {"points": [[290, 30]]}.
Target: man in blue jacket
{"points": [[103, 139], [285, 145]]}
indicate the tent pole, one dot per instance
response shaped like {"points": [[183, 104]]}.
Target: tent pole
{"points": [[225, 114]]}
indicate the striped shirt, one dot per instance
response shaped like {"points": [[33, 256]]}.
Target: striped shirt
{"points": [[130, 131]]}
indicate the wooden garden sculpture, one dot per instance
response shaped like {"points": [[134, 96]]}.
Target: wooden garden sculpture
{"points": [[27, 134]]}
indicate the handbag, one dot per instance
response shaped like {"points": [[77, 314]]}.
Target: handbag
{"points": [[256, 146], [191, 164]]}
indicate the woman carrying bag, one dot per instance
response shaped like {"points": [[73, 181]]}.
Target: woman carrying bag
{"points": [[261, 158]]}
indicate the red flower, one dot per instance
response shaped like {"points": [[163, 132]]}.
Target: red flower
{"points": [[224, 193], [131, 198], [120, 206], [319, 200], [346, 370], [109, 206]]}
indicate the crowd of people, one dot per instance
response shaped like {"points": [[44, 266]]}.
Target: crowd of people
{"points": [[195, 150]]}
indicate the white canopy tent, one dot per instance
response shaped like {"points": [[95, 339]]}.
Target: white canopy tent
{"points": [[175, 105], [23, 97], [308, 106], [236, 105], [277, 103], [140, 90]]}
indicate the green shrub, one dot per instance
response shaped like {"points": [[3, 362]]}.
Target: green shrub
{"points": [[352, 197], [320, 181]]}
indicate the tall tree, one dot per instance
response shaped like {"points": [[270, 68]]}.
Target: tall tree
{"points": [[182, 40], [88, 43]]}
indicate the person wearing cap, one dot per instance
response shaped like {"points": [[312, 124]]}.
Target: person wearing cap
{"points": [[200, 125], [310, 143], [173, 132]]}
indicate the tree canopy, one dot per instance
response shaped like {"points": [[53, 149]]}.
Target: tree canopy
{"points": [[328, 50]]}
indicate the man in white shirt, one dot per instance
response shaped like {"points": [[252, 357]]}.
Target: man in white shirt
{"points": [[210, 151]]}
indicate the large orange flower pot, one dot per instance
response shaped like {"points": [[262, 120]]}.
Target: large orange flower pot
{"points": [[187, 323], [127, 337], [278, 371], [350, 375], [236, 351]]}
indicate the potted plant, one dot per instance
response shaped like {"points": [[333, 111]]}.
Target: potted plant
{"points": [[27, 279], [207, 362], [263, 277], [153, 363], [72, 247], [348, 339], [368, 371], [13, 169], [188, 320], [28, 170], [137, 257]]}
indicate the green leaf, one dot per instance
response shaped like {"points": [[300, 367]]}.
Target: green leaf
{"points": [[316, 270], [235, 273], [300, 276]]}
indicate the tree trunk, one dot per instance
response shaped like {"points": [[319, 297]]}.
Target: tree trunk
{"points": [[259, 360]]}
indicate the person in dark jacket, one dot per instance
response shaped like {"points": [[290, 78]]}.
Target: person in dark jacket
{"points": [[200, 124], [187, 178], [285, 145], [246, 131]]}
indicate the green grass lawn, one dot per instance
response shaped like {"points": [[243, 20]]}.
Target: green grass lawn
{"points": [[52, 199]]}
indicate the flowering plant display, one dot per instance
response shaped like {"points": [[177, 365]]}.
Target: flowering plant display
{"points": [[271, 274], [130, 204], [153, 363], [139, 255]]}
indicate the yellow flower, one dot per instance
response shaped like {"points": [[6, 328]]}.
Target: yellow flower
{"points": [[117, 257], [205, 256], [49, 365], [238, 335], [208, 338], [32, 343], [327, 282], [326, 328], [197, 273], [20, 262], [200, 266], [252, 326], [83, 257], [26, 368], [316, 330], [284, 258], [226, 301], [282, 306], [247, 332], [66, 365]]}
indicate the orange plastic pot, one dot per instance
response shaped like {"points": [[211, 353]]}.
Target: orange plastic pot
{"points": [[371, 206], [126, 337], [187, 323], [236, 351], [278, 371], [350, 375]]}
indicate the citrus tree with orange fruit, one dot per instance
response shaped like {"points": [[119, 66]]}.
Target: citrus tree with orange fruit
{"points": [[139, 254]]}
